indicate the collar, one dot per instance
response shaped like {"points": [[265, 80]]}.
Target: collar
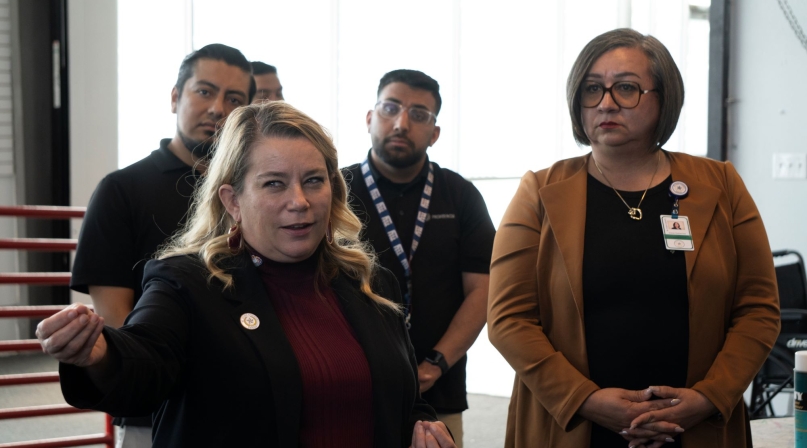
{"points": [[166, 161], [424, 172], [305, 270], [566, 183]]}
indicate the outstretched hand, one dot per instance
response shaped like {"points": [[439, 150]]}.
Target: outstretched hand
{"points": [[73, 336], [431, 435]]}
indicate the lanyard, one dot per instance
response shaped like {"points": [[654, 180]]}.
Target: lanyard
{"points": [[392, 234]]}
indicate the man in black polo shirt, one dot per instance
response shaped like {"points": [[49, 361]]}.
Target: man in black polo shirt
{"points": [[135, 209], [402, 197]]}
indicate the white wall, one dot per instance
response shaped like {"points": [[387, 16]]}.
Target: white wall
{"points": [[93, 75], [92, 42], [9, 165], [769, 115]]}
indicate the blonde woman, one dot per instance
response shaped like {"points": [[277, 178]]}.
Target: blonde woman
{"points": [[265, 322]]}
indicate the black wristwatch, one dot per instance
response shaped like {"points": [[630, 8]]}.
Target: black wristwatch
{"points": [[436, 358]]}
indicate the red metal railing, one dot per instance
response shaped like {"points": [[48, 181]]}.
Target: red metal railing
{"points": [[30, 311], [42, 211], [39, 244], [60, 442], [20, 345], [36, 278], [41, 278], [29, 378], [46, 244], [107, 437]]}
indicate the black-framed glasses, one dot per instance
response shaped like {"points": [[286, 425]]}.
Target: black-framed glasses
{"points": [[390, 109], [626, 94]]}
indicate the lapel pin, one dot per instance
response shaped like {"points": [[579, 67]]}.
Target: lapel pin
{"points": [[679, 190], [250, 321]]}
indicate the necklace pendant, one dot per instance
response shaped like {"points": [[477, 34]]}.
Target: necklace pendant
{"points": [[635, 213]]}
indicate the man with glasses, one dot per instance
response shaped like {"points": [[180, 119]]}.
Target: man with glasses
{"points": [[431, 228]]}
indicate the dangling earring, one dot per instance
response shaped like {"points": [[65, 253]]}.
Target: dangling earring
{"points": [[234, 240], [329, 233]]}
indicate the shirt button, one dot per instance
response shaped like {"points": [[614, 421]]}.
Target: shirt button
{"points": [[400, 212]]}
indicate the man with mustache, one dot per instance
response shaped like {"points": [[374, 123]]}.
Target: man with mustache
{"points": [[431, 228], [135, 209]]}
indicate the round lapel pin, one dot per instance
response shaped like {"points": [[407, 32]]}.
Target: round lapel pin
{"points": [[679, 190], [250, 321]]}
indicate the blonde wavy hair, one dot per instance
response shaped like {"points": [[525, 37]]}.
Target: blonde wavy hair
{"points": [[205, 233]]}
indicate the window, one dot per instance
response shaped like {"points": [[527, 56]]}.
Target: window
{"points": [[502, 69]]}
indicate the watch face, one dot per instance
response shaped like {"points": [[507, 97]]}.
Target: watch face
{"points": [[434, 357], [437, 359]]}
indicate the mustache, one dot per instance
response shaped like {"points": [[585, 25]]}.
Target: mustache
{"points": [[409, 143]]}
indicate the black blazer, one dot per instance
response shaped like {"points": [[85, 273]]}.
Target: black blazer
{"points": [[184, 355]]}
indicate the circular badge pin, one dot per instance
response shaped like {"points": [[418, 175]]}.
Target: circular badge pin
{"points": [[678, 189], [250, 321], [256, 260]]}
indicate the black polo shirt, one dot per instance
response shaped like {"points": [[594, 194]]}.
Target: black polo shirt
{"points": [[457, 238], [131, 213]]}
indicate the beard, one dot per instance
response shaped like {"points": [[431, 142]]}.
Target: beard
{"points": [[398, 159], [199, 149]]}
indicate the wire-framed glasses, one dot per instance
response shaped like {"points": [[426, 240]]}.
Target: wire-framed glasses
{"points": [[390, 109], [626, 94]]}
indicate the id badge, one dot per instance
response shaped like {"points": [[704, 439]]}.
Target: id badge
{"points": [[677, 233]]}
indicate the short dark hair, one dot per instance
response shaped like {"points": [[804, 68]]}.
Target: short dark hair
{"points": [[261, 68], [217, 52], [666, 77], [416, 80]]}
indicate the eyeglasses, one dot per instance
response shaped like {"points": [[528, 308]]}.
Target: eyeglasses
{"points": [[626, 94], [389, 109]]}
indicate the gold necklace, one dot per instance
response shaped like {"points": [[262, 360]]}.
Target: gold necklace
{"points": [[633, 212]]}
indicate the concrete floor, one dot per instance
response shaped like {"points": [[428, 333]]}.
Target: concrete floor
{"points": [[484, 422]]}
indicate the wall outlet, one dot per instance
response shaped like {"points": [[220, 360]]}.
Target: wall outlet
{"points": [[789, 166]]}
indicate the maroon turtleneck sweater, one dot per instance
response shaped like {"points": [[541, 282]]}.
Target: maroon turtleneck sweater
{"points": [[337, 408]]}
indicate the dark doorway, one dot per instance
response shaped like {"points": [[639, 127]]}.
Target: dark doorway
{"points": [[45, 179]]}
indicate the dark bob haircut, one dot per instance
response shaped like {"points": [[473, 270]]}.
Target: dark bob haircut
{"points": [[217, 52], [666, 77], [416, 80]]}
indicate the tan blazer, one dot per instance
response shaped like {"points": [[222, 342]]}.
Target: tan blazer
{"points": [[535, 313]]}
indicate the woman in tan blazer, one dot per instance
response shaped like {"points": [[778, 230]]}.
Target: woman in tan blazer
{"points": [[617, 336]]}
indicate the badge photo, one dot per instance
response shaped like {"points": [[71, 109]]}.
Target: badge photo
{"points": [[677, 233]]}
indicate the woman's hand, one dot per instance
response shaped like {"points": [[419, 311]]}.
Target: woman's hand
{"points": [[616, 409], [431, 435], [73, 336], [692, 408]]}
